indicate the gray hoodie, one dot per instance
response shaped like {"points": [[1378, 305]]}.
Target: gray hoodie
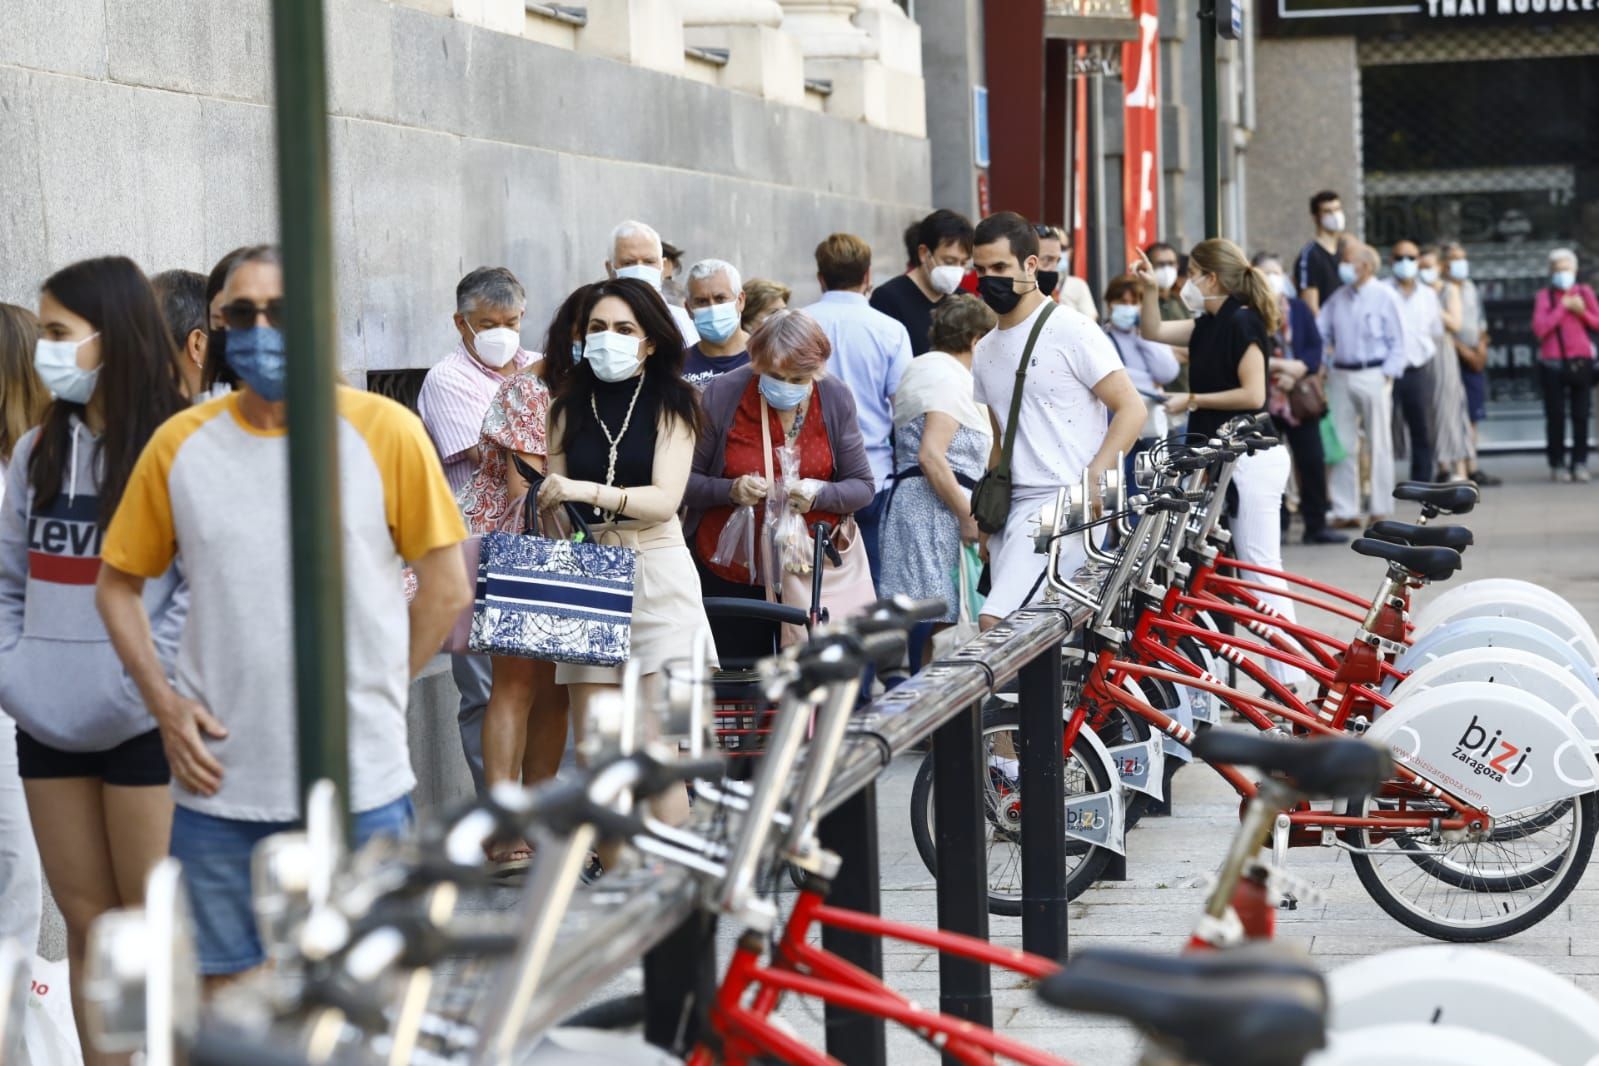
{"points": [[60, 678]]}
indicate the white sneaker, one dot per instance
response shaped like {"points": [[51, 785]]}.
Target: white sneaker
{"points": [[1580, 473], [1559, 474]]}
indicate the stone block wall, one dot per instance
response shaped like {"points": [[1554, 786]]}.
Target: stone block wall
{"points": [[148, 131]]}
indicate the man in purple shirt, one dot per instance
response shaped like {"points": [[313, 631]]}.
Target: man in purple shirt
{"points": [[489, 304]]}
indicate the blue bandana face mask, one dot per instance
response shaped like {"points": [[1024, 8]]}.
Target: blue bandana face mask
{"points": [[256, 355]]}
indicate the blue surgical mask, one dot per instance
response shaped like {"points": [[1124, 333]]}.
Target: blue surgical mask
{"points": [[1564, 279], [1124, 316], [783, 395], [57, 365], [612, 356], [256, 355], [1460, 269], [717, 322], [1404, 269], [650, 275], [1429, 275], [1347, 273]]}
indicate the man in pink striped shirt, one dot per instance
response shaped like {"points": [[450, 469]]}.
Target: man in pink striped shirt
{"points": [[489, 304]]}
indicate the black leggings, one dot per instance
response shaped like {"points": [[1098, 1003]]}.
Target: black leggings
{"points": [[1567, 384], [1304, 441]]}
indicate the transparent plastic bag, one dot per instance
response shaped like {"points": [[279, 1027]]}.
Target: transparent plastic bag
{"points": [[786, 534], [736, 545]]}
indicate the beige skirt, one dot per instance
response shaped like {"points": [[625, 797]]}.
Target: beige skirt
{"points": [[668, 606]]}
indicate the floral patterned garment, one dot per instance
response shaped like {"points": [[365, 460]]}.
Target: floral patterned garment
{"points": [[515, 423]]}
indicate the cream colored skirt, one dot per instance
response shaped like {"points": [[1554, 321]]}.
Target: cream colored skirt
{"points": [[668, 606]]}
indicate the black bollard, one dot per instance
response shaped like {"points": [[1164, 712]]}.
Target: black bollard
{"points": [[961, 835], [851, 832], [1043, 779]]}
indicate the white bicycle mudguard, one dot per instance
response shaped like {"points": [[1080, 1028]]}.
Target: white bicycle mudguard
{"points": [[1506, 597], [1520, 670], [1422, 1045], [1490, 745], [1469, 988], [1098, 818], [1481, 634], [1141, 765]]}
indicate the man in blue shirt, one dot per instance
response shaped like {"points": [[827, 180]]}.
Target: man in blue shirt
{"points": [[1363, 327], [870, 354]]}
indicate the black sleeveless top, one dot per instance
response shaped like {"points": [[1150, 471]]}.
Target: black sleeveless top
{"points": [[1215, 349], [588, 452]]}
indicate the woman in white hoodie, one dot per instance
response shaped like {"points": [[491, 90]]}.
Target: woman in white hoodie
{"points": [[88, 751]]}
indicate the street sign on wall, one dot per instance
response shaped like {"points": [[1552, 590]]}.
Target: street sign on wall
{"points": [[1376, 17]]}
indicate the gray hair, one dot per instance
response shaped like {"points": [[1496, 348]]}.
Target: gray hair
{"points": [[709, 268], [489, 287], [256, 253], [632, 228], [1562, 253], [1365, 253]]}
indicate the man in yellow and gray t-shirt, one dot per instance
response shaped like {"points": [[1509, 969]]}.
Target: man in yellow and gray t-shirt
{"points": [[212, 486]]}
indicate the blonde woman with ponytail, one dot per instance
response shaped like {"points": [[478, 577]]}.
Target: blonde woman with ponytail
{"points": [[1236, 312]]}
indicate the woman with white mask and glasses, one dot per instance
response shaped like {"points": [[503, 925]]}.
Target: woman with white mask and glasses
{"points": [[1228, 345], [1565, 316], [90, 756], [622, 430], [1452, 447]]}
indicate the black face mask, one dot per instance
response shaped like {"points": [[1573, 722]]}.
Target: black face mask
{"points": [[999, 293], [1047, 280]]}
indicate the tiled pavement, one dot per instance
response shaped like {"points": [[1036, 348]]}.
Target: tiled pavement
{"points": [[1529, 528]]}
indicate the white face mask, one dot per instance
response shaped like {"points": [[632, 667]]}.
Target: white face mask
{"points": [[1333, 221], [1193, 297], [1281, 285], [651, 276], [1165, 277], [56, 363], [946, 279], [497, 346], [1460, 269], [613, 356], [1428, 275]]}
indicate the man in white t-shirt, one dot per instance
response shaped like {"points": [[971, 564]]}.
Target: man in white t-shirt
{"points": [[1079, 408]]}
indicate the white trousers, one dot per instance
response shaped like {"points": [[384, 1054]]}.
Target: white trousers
{"points": [[1362, 411], [1257, 532], [21, 896]]}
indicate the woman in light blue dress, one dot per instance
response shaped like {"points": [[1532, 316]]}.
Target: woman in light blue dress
{"points": [[942, 439]]}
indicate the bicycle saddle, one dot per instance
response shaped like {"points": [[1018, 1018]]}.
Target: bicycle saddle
{"points": [[1335, 768], [1254, 959], [1451, 498], [1209, 1021], [1434, 564], [1456, 537]]}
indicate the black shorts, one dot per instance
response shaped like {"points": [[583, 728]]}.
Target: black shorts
{"points": [[132, 764]]}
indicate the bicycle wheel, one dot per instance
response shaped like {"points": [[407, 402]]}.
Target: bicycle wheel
{"points": [[1493, 888], [1532, 867], [1085, 773]]}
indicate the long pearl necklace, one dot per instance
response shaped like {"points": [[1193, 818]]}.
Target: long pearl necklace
{"points": [[615, 441]]}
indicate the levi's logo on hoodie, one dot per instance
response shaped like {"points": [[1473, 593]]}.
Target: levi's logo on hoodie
{"points": [[64, 541]]}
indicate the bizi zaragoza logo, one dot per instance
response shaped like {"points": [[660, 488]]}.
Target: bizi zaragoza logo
{"points": [[1490, 754]]}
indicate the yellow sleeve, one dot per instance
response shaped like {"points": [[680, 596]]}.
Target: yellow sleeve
{"points": [[141, 539], [420, 510]]}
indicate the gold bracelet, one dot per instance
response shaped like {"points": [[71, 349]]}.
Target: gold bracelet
{"points": [[1193, 401], [622, 509]]}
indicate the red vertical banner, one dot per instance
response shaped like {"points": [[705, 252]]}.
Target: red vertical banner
{"points": [[1079, 266], [1141, 126]]}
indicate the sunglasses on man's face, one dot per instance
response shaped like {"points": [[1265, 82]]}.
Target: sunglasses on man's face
{"points": [[244, 314]]}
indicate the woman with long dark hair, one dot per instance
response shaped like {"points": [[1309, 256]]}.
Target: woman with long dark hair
{"points": [[91, 760], [524, 724], [621, 443]]}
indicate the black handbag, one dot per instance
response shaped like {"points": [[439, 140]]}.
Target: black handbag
{"points": [[991, 495]]}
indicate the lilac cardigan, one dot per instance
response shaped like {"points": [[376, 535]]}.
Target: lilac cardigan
{"points": [[852, 486]]}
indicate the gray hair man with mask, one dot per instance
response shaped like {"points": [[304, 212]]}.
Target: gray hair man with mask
{"points": [[489, 304], [637, 252], [716, 300], [1363, 326]]}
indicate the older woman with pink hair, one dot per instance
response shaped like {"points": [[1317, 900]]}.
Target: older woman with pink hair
{"points": [[785, 384]]}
